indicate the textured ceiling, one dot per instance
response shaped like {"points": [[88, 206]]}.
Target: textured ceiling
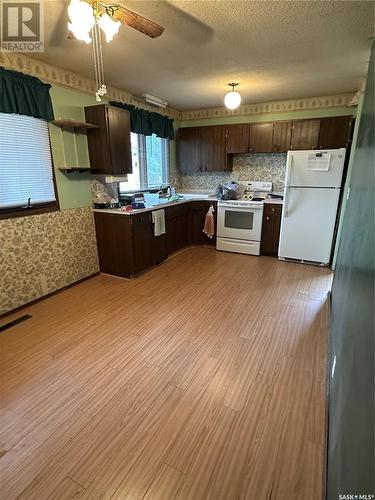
{"points": [[274, 49]]}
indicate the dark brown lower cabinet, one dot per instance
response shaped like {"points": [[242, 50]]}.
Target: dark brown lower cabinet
{"points": [[269, 244], [177, 227], [127, 244], [197, 218], [148, 249]]}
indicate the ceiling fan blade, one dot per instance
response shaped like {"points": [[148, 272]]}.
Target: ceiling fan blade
{"points": [[138, 22]]}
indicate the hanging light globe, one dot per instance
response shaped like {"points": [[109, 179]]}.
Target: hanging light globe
{"points": [[233, 98]]}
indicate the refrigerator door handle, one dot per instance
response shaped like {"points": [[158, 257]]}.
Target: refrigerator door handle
{"points": [[288, 171], [286, 201]]}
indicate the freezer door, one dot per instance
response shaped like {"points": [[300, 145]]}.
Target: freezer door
{"points": [[308, 224], [315, 168]]}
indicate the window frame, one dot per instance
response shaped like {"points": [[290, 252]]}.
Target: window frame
{"points": [[143, 174], [40, 208]]}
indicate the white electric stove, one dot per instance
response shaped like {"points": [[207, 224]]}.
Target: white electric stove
{"points": [[239, 222]]}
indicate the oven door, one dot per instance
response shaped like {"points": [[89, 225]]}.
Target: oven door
{"points": [[240, 222]]}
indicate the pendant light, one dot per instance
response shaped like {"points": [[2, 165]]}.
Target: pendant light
{"points": [[233, 98]]}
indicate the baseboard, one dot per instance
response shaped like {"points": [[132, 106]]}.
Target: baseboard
{"points": [[326, 417], [43, 297]]}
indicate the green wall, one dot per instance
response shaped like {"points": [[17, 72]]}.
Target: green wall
{"points": [[285, 115], [347, 180], [70, 149], [351, 376]]}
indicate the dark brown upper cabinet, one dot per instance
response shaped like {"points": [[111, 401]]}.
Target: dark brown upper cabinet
{"points": [[212, 150], [238, 138], [282, 134], [305, 134], [188, 149], [109, 144], [261, 137], [203, 149], [335, 132]]}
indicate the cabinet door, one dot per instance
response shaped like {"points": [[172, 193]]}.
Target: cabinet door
{"points": [[114, 241], [335, 132], [188, 149], [142, 248], [212, 149], [109, 144], [148, 249], [271, 229], [261, 137], [238, 138], [305, 134], [197, 219], [118, 123], [177, 229], [282, 133]]}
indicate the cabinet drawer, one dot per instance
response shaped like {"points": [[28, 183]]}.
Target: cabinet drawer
{"points": [[177, 211], [273, 208], [141, 220]]}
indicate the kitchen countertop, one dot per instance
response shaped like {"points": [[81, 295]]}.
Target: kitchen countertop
{"points": [[192, 195]]}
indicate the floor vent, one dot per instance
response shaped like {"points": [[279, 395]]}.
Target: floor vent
{"points": [[14, 322]]}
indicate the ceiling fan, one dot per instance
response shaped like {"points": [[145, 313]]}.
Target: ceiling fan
{"points": [[87, 20], [83, 15]]}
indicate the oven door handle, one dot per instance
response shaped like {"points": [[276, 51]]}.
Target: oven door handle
{"points": [[242, 207]]}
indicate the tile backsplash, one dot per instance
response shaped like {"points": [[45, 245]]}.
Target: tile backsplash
{"points": [[103, 189], [255, 167]]}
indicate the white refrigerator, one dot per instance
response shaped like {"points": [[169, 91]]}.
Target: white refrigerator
{"points": [[311, 197]]}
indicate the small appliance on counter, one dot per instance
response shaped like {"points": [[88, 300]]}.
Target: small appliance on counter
{"points": [[239, 222]]}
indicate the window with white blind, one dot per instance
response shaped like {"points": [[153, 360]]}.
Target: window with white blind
{"points": [[26, 172]]}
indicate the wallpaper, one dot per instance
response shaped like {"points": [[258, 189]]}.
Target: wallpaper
{"points": [[255, 167], [42, 253]]}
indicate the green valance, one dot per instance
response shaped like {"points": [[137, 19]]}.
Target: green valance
{"points": [[147, 122], [24, 95]]}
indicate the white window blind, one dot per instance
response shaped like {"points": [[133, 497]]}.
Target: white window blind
{"points": [[25, 161]]}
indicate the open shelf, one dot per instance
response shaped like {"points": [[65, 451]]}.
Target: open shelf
{"points": [[75, 125], [79, 170]]}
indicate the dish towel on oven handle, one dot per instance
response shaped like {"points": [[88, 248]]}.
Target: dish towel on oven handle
{"points": [[158, 219], [209, 223]]}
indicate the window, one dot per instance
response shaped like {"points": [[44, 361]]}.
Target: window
{"points": [[150, 163], [26, 170]]}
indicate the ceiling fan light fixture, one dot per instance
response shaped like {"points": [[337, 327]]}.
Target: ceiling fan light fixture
{"points": [[232, 99], [109, 26], [81, 20]]}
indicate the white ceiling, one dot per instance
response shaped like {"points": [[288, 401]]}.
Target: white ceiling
{"points": [[275, 49]]}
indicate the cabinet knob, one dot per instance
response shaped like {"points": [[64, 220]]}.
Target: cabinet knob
{"points": [[273, 209], [267, 218]]}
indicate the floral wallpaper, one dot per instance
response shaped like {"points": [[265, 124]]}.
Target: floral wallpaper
{"points": [[42, 253], [255, 167]]}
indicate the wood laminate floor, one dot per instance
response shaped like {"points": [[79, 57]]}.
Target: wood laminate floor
{"points": [[202, 379]]}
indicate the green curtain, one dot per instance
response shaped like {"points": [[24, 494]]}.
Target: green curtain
{"points": [[146, 122], [24, 95]]}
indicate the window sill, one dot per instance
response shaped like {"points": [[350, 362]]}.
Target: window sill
{"points": [[25, 212]]}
